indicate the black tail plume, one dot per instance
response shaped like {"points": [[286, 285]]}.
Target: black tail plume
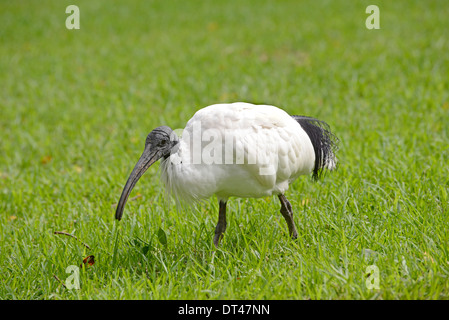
{"points": [[325, 143]]}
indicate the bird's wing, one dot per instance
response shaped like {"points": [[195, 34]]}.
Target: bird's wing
{"points": [[267, 144]]}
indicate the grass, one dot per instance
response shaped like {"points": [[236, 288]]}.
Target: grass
{"points": [[76, 106]]}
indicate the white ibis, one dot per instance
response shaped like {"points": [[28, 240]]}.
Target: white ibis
{"points": [[237, 150]]}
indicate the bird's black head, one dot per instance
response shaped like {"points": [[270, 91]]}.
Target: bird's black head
{"points": [[160, 143], [162, 140]]}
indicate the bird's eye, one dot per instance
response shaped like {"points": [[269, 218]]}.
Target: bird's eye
{"points": [[162, 143]]}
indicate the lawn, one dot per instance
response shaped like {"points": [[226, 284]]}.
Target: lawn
{"points": [[76, 106]]}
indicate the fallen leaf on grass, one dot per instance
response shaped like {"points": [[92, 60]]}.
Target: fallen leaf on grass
{"points": [[88, 261], [46, 159], [78, 169], [212, 26]]}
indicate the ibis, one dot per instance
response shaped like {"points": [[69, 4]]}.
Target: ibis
{"points": [[237, 150]]}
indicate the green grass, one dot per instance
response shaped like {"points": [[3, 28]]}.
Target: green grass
{"points": [[76, 106]]}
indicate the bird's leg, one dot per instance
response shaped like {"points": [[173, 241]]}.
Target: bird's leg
{"points": [[287, 213], [221, 225]]}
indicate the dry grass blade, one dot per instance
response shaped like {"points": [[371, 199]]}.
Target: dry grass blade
{"points": [[60, 281], [71, 235]]}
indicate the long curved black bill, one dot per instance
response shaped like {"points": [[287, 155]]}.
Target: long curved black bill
{"points": [[147, 158]]}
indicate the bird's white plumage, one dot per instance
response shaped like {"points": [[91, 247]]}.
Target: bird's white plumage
{"points": [[269, 150]]}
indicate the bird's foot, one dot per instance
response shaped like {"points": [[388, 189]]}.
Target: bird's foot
{"points": [[294, 234]]}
